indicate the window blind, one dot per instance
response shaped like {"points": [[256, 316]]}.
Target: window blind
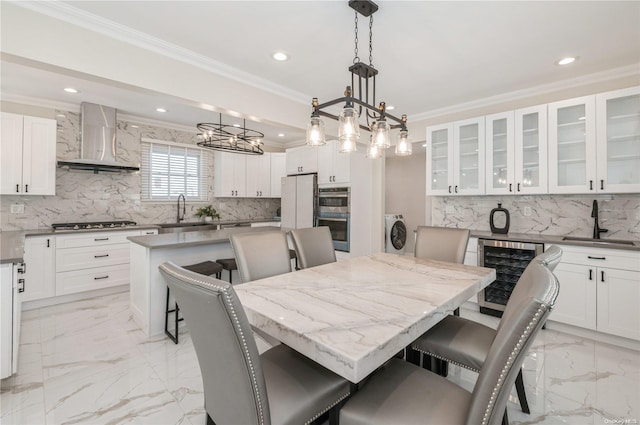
{"points": [[170, 169]]}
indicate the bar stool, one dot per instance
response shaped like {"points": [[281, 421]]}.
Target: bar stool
{"points": [[207, 268]]}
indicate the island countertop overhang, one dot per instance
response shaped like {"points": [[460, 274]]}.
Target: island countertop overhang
{"points": [[187, 239]]}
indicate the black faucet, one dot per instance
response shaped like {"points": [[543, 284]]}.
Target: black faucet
{"points": [[184, 208], [596, 228]]}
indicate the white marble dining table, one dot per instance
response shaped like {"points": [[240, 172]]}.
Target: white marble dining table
{"points": [[352, 316]]}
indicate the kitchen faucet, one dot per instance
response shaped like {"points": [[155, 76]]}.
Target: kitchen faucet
{"points": [[596, 228], [184, 207]]}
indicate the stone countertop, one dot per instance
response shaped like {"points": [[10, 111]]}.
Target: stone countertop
{"points": [[552, 239], [188, 239], [11, 246]]}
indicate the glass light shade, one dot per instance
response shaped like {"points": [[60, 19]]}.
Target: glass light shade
{"points": [[348, 144], [373, 151], [348, 127], [403, 145], [380, 134], [315, 132]]}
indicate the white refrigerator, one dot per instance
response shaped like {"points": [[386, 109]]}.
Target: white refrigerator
{"points": [[299, 200]]}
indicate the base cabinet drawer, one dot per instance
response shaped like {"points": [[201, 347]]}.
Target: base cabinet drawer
{"points": [[89, 257], [93, 239], [89, 279]]}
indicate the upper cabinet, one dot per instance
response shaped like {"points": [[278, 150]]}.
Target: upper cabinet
{"points": [[333, 166], [516, 152], [229, 175], [27, 155], [455, 158], [278, 171], [572, 146], [302, 160], [618, 146], [259, 176]]}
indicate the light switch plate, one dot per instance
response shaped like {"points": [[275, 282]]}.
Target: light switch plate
{"points": [[17, 208], [527, 211]]}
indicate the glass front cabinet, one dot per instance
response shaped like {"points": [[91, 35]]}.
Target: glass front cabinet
{"points": [[455, 158], [516, 146]]}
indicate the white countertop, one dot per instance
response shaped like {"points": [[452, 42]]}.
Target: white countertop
{"points": [[187, 239]]}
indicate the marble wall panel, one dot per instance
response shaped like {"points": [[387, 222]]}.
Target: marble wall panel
{"points": [[550, 214], [83, 196]]}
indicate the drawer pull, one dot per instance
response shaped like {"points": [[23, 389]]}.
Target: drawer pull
{"points": [[101, 256], [101, 277], [590, 274], [591, 257], [601, 276], [100, 239]]}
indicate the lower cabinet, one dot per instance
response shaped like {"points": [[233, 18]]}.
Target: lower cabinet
{"points": [[40, 267], [599, 290]]}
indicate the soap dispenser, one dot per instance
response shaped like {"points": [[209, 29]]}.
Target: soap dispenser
{"points": [[499, 220]]}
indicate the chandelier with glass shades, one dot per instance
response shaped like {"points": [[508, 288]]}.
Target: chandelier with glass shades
{"points": [[356, 105], [230, 138]]}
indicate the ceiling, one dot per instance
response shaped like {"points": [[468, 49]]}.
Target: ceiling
{"points": [[432, 56]]}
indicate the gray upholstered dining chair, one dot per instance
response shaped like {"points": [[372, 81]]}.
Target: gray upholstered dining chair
{"points": [[261, 255], [402, 393], [279, 386], [466, 343], [441, 243], [314, 246]]}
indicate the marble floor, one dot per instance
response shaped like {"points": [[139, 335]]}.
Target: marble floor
{"points": [[87, 363]]}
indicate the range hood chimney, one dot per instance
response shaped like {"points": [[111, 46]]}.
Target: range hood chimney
{"points": [[98, 145]]}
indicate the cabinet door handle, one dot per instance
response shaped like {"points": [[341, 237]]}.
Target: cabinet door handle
{"points": [[21, 285], [101, 256], [601, 184], [518, 187], [17, 188], [48, 243], [510, 188], [590, 274], [26, 188], [591, 257], [101, 277], [260, 193], [455, 188], [601, 275], [100, 239], [590, 184], [449, 189], [150, 233]]}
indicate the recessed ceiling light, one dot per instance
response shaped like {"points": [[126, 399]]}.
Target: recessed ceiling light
{"points": [[390, 108], [280, 134], [71, 90], [61, 116], [566, 61], [424, 145], [134, 126], [161, 110], [280, 56]]}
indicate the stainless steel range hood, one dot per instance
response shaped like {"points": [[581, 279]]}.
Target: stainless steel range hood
{"points": [[98, 145]]}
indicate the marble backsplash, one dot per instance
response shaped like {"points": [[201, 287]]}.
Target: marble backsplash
{"points": [[82, 196], [550, 214]]}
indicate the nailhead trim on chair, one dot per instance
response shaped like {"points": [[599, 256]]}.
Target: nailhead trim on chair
{"points": [[236, 323], [427, 353], [514, 353], [331, 406]]}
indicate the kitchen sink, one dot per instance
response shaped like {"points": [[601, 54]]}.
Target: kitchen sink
{"points": [[186, 227], [599, 241]]}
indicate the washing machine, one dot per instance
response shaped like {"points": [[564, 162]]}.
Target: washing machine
{"points": [[395, 231]]}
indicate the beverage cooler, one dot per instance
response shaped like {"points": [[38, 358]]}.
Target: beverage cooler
{"points": [[509, 258]]}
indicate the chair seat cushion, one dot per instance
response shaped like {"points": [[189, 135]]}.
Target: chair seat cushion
{"points": [[403, 394], [207, 268], [298, 388], [228, 263], [457, 340]]}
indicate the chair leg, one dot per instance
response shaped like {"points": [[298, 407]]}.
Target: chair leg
{"points": [[334, 416], [505, 418], [522, 396], [209, 420], [413, 356], [456, 312], [230, 277]]}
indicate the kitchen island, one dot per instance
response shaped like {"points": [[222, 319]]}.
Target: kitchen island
{"points": [[147, 287]]}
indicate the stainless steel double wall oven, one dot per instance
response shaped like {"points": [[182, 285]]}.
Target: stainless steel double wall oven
{"points": [[334, 208]]}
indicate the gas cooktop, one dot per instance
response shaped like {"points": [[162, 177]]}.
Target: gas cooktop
{"points": [[93, 225]]}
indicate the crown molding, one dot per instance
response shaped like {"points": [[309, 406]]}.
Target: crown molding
{"points": [[72, 15], [598, 77], [43, 103]]}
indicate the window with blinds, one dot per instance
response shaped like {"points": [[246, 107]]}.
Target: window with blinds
{"points": [[170, 169]]}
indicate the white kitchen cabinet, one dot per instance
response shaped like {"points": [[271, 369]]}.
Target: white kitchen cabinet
{"points": [[258, 176], [618, 141], [599, 290], [278, 171], [333, 166], [302, 160], [516, 152], [455, 158], [27, 155], [229, 175], [40, 267]]}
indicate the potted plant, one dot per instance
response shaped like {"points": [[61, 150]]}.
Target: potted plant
{"points": [[208, 212]]}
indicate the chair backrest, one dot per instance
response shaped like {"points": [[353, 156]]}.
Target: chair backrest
{"points": [[521, 320], [234, 386], [441, 243], [260, 255], [314, 246], [551, 257]]}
